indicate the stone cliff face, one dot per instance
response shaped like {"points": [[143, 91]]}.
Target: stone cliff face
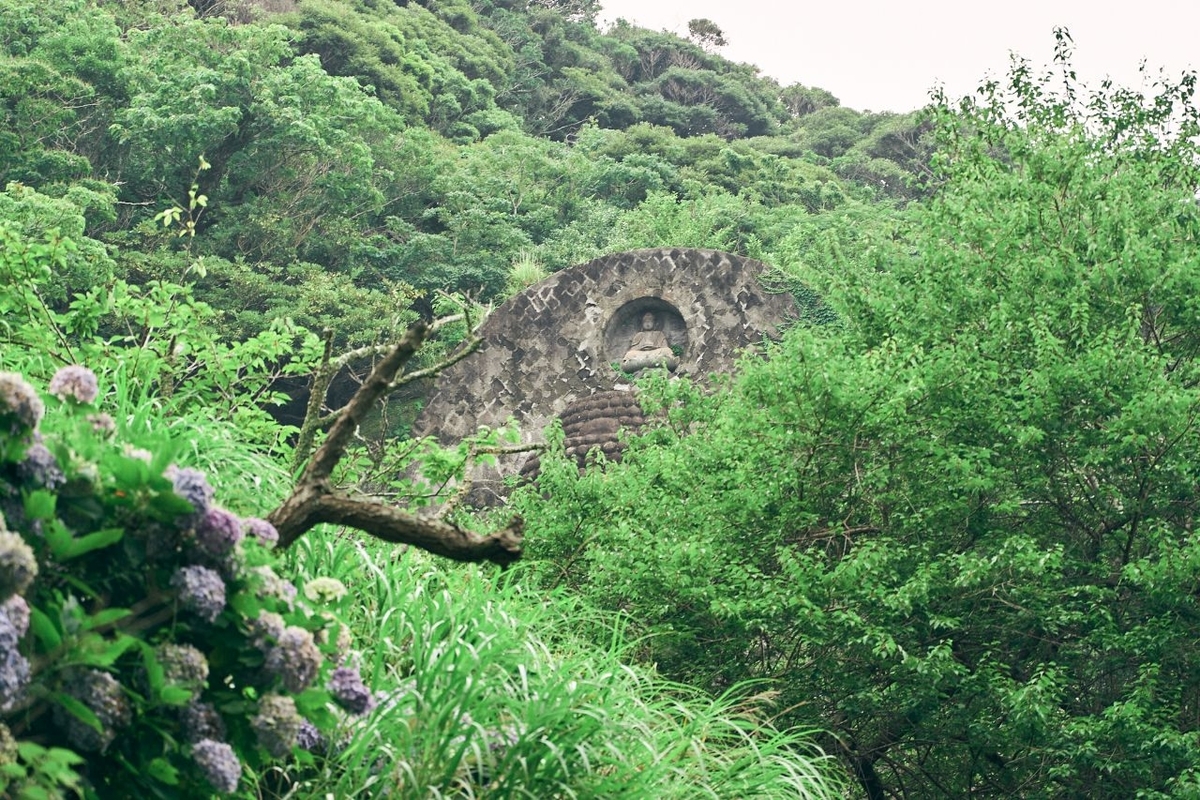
{"points": [[562, 340]]}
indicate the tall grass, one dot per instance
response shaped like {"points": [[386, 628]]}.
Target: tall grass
{"points": [[490, 693]]}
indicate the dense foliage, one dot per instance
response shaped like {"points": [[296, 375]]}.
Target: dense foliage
{"points": [[360, 154], [951, 527], [189, 193], [957, 528]]}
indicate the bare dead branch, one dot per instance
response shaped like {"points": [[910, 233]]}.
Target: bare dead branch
{"points": [[316, 399], [465, 349], [314, 500], [436, 536]]}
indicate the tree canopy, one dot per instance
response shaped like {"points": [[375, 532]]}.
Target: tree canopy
{"points": [[955, 528]]}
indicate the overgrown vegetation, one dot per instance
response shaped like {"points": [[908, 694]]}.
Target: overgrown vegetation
{"points": [[957, 528], [949, 537]]}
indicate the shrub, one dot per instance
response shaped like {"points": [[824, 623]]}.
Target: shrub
{"points": [[146, 642]]}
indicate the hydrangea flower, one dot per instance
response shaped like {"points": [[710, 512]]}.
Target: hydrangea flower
{"points": [[201, 721], [18, 566], [102, 424], [183, 665], [163, 541], [75, 383], [14, 667], [265, 629], [40, 468], [219, 764], [140, 453], [310, 737], [294, 659], [273, 586], [191, 485], [343, 640], [324, 590], [500, 741], [19, 403], [277, 724], [17, 611], [218, 532], [8, 746], [348, 689], [104, 697], [201, 590], [261, 530]]}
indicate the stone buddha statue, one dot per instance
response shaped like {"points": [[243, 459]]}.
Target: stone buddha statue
{"points": [[649, 348]]}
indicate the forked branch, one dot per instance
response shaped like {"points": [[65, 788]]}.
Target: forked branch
{"points": [[315, 501]]}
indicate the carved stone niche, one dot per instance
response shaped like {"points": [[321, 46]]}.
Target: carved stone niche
{"points": [[627, 322]]}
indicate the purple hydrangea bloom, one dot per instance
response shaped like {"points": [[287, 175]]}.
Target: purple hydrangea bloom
{"points": [[201, 590], [310, 737], [348, 689], [500, 741], [277, 724], [294, 659], [17, 611], [265, 629], [40, 468], [191, 485], [14, 667], [201, 721], [218, 532], [102, 424], [261, 530], [183, 665], [18, 565], [75, 382], [103, 695], [219, 764], [273, 586], [20, 405]]}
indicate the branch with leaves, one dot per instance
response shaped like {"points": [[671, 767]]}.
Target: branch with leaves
{"points": [[315, 500]]}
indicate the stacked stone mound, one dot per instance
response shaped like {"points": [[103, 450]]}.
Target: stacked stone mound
{"points": [[595, 423]]}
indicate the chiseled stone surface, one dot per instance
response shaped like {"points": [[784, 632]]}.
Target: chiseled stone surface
{"points": [[595, 423], [557, 342]]}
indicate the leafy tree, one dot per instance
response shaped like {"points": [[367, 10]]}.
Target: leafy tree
{"points": [[955, 529], [706, 33], [801, 100]]}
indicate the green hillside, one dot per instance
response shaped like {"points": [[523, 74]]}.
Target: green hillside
{"points": [[941, 546]]}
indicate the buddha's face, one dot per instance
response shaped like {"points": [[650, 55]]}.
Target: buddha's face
{"points": [[647, 321]]}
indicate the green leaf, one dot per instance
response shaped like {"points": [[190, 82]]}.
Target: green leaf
{"points": [[175, 695], [106, 617], [112, 652], [79, 711], [170, 504], [128, 472], [40, 504], [90, 542], [161, 770], [44, 628]]}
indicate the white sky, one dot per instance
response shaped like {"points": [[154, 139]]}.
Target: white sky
{"points": [[885, 55]]}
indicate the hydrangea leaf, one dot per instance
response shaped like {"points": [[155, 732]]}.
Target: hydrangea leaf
{"points": [[86, 544], [79, 711], [128, 472], [105, 617], [40, 504], [174, 695], [112, 652], [44, 629], [161, 770], [170, 504]]}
